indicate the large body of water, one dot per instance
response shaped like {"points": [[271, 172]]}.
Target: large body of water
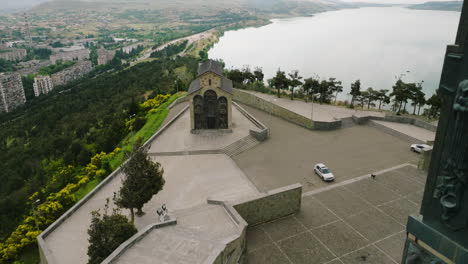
{"points": [[375, 45]]}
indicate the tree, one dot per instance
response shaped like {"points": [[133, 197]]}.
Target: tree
{"points": [[371, 96], [236, 76], [417, 97], [280, 81], [247, 75], [335, 87], [382, 97], [435, 102], [355, 91], [325, 89], [258, 73], [400, 94], [106, 233], [143, 178], [295, 81]]}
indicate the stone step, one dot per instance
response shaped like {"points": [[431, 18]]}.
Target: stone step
{"points": [[240, 146]]}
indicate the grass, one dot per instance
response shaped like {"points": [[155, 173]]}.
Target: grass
{"points": [[86, 189], [154, 121]]}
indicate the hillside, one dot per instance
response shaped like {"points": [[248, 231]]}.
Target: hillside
{"points": [[69, 126], [443, 6]]}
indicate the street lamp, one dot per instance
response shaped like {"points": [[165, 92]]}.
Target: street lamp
{"points": [[312, 108], [34, 212]]}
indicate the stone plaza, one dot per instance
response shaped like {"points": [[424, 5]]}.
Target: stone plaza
{"points": [[248, 194]]}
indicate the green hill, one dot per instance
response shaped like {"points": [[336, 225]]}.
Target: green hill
{"points": [[444, 6]]}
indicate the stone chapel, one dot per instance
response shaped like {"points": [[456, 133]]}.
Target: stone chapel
{"points": [[210, 97]]}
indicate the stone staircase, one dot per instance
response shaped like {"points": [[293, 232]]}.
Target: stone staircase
{"points": [[240, 146]]}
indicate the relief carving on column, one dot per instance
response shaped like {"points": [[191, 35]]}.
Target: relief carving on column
{"points": [[452, 182]]}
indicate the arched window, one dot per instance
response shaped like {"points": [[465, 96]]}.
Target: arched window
{"points": [[198, 111], [209, 81], [210, 106], [223, 113]]}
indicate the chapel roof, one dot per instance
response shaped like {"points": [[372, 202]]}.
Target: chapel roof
{"points": [[216, 68]]}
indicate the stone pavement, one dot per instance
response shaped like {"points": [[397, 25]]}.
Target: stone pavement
{"points": [[289, 155], [177, 137], [199, 231], [361, 222], [190, 180], [320, 112], [410, 130]]}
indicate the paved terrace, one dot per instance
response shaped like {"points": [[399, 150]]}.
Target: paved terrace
{"points": [[360, 222], [190, 180], [410, 130], [289, 155], [325, 113], [178, 137], [199, 231]]}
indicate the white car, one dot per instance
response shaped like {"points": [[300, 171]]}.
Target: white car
{"points": [[324, 172], [420, 147]]}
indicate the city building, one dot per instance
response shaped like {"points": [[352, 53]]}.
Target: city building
{"points": [[72, 73], [11, 92], [81, 54], [42, 85], [13, 54], [104, 56]]}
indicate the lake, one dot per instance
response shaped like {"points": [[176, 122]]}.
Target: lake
{"points": [[375, 45]]}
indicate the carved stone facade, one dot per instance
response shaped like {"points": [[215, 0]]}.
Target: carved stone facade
{"points": [[14, 54], [81, 54], [210, 97], [72, 73], [11, 92], [42, 85]]}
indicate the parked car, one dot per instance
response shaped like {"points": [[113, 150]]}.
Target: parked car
{"points": [[418, 148], [324, 172]]}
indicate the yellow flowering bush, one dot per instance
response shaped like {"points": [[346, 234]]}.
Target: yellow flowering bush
{"points": [[54, 205], [155, 102]]}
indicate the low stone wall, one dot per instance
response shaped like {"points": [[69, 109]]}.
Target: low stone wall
{"points": [[397, 119], [178, 101], [271, 205], [394, 132], [263, 131], [271, 108], [134, 239], [44, 252], [234, 247], [425, 125], [332, 125]]}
